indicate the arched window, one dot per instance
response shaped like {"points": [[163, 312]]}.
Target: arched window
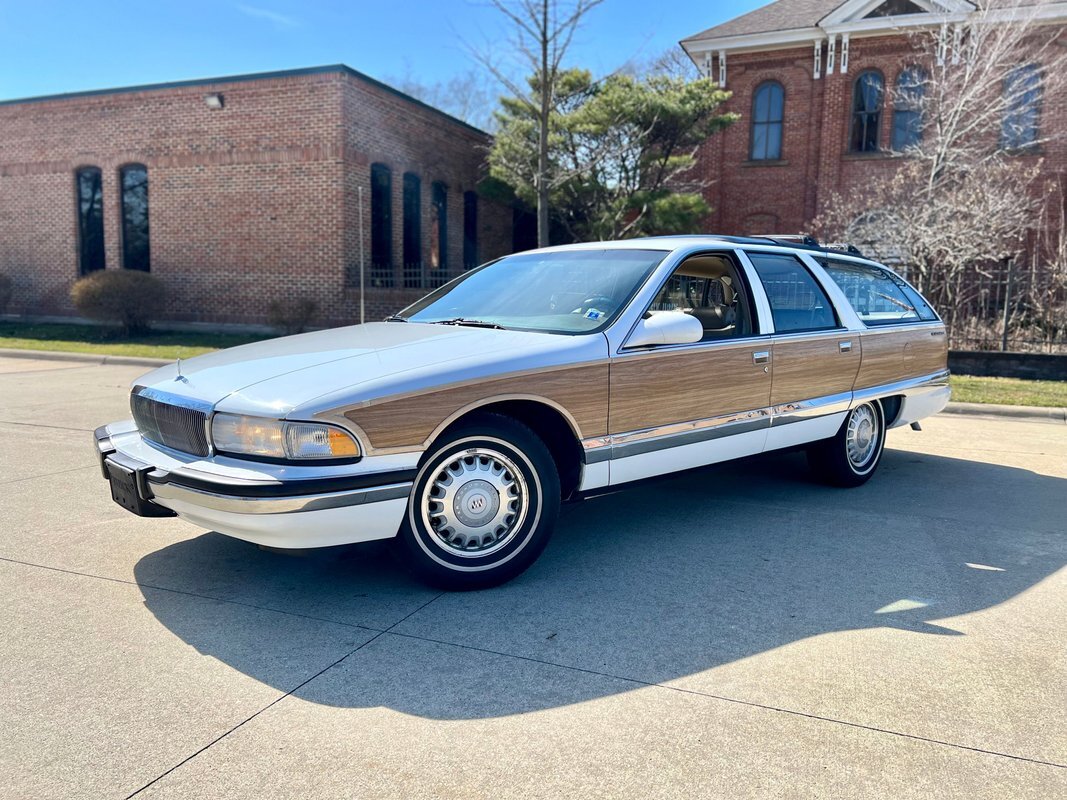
{"points": [[88, 182], [381, 225], [136, 253], [1022, 95], [907, 108], [412, 231], [866, 112], [768, 104], [438, 233], [470, 229]]}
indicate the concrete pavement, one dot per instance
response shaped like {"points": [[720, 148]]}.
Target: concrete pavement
{"points": [[733, 632]]}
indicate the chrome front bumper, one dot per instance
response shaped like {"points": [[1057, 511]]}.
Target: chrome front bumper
{"points": [[309, 511]]}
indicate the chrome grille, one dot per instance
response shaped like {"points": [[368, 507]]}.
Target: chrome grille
{"points": [[176, 422]]}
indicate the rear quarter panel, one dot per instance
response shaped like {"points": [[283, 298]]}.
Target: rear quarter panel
{"points": [[894, 354]]}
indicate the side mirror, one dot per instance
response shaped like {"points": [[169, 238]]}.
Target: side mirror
{"points": [[666, 327]]}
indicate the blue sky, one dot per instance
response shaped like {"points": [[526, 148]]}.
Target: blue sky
{"points": [[53, 46]]}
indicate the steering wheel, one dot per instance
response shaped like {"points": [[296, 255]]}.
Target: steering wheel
{"points": [[599, 302]]}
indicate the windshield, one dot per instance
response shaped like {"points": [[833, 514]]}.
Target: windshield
{"points": [[576, 291]]}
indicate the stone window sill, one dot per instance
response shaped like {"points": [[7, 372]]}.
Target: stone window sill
{"points": [[874, 155]]}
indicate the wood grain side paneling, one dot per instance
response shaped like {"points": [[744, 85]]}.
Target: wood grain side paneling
{"points": [[694, 383], [807, 368], [892, 356], [409, 421]]}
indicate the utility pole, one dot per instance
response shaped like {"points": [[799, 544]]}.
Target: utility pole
{"points": [[547, 88], [362, 259]]}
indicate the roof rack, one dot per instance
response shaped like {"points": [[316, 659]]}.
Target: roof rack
{"points": [[799, 240], [811, 243]]}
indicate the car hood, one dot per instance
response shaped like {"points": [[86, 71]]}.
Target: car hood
{"points": [[312, 373]]}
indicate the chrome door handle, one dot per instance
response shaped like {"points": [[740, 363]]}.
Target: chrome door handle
{"points": [[846, 347], [761, 357]]}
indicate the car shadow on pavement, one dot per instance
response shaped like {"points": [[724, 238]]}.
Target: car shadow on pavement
{"points": [[654, 584]]}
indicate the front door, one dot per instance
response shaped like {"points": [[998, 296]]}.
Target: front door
{"points": [[680, 406]]}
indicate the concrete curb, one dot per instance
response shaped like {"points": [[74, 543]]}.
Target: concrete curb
{"points": [[87, 358], [1043, 413]]}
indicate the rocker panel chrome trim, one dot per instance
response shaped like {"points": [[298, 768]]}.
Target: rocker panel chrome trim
{"points": [[647, 440]]}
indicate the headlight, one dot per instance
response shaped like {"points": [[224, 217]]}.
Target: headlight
{"points": [[272, 438]]}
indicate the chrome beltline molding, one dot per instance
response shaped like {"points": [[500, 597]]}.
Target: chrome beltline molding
{"points": [[647, 440], [278, 505]]}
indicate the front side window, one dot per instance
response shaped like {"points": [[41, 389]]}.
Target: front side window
{"points": [[136, 253], [1022, 93], [768, 105], [709, 288], [88, 182], [866, 112], [878, 296], [798, 303], [578, 291], [907, 111]]}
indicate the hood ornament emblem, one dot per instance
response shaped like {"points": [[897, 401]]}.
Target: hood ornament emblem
{"points": [[179, 376]]}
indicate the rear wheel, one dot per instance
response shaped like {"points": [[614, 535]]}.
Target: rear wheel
{"points": [[852, 456], [483, 505]]}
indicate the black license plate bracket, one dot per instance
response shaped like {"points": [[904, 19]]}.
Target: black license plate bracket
{"points": [[128, 487]]}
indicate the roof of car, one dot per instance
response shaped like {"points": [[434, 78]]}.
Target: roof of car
{"points": [[686, 241]]}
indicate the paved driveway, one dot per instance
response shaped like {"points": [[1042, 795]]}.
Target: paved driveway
{"points": [[733, 632]]}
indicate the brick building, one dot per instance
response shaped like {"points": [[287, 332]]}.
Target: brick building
{"points": [[813, 81], [236, 191]]}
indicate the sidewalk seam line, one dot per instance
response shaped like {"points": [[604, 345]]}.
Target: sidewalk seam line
{"points": [[277, 700], [736, 701], [195, 594]]}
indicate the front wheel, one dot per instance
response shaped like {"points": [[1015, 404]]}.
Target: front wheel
{"points": [[851, 457], [483, 505]]}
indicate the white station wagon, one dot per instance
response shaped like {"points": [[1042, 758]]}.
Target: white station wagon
{"points": [[458, 425]]}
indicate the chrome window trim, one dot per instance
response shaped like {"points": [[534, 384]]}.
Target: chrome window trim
{"points": [[845, 312], [926, 324], [828, 333], [664, 349], [868, 262], [819, 277]]}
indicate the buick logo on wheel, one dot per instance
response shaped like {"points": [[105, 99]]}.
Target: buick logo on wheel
{"points": [[477, 503]]}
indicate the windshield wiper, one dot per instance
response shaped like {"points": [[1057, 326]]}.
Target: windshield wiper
{"points": [[396, 318], [473, 323]]}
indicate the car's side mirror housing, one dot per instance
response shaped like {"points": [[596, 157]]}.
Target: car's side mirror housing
{"points": [[666, 327]]}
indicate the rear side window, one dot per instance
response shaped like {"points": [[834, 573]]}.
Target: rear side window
{"points": [[798, 303], [879, 296]]}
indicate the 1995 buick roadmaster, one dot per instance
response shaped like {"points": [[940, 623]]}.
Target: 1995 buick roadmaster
{"points": [[459, 424]]}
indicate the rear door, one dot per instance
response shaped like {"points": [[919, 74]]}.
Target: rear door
{"points": [[815, 357]]}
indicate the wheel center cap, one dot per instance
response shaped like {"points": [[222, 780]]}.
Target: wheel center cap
{"points": [[476, 503], [863, 434]]}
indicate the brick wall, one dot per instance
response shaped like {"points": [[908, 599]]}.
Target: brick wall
{"points": [[247, 203], [751, 197]]}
